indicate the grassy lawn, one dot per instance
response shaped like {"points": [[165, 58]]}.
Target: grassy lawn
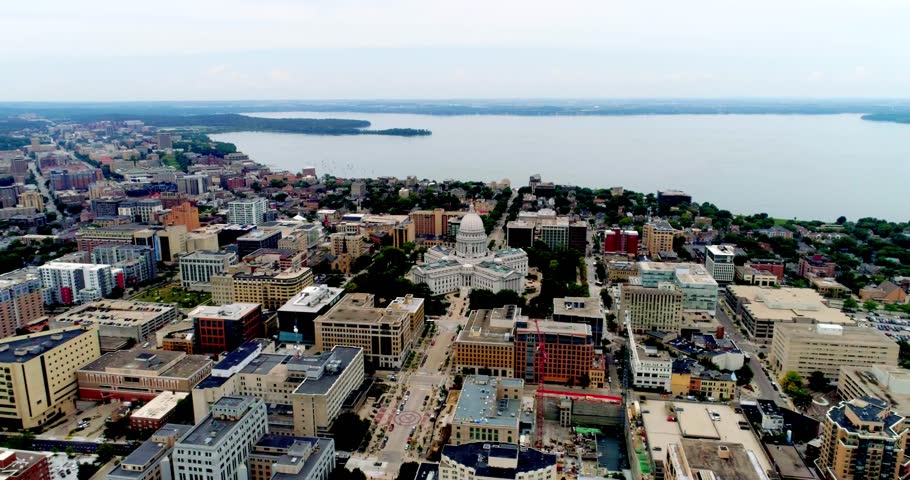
{"points": [[171, 294]]}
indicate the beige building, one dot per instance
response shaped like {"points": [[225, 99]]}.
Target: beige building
{"points": [[39, 374], [384, 334], [884, 382], [329, 380], [651, 308], [759, 309], [347, 244], [747, 275], [270, 287], [657, 236], [862, 439], [806, 348], [32, 199], [488, 410], [485, 345]]}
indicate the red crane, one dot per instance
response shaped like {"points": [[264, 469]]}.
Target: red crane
{"points": [[538, 370]]}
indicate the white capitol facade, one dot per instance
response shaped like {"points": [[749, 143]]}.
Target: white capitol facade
{"points": [[471, 264]]}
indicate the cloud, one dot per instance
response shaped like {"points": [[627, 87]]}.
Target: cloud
{"points": [[279, 75]]}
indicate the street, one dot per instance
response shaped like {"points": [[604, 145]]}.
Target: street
{"points": [[760, 379]]}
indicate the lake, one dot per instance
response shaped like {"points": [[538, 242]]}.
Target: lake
{"points": [[789, 166]]}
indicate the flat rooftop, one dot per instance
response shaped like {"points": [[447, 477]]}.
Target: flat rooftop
{"points": [[211, 430], [484, 327], [159, 363], [117, 311], [787, 303], [832, 333], [556, 328], [312, 299], [160, 406], [479, 404], [588, 307], [789, 462], [477, 455], [696, 423], [148, 451], [21, 349], [332, 364], [358, 308], [704, 455], [230, 311]]}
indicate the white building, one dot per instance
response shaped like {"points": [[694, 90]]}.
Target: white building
{"points": [[69, 283], [470, 263], [247, 211], [719, 262], [218, 447], [197, 268], [651, 368]]}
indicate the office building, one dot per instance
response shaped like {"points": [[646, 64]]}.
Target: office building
{"points": [[193, 185], [488, 410], [137, 262], [699, 289], [23, 465], [303, 237], [40, 374], [141, 374], [621, 242], [282, 457], [657, 236], [32, 199], [553, 352], [165, 141], [555, 234], [749, 275], [887, 383], [152, 459], [256, 240], [585, 310], [296, 318], [87, 238], [646, 309], [719, 262], [21, 300], [667, 200], [432, 224], [486, 345], [247, 211], [255, 282], [760, 309], [770, 265], [218, 447], [69, 283], [124, 319], [328, 381], [197, 268], [652, 369], [520, 234], [154, 414], [806, 348], [141, 211], [500, 461], [863, 438], [223, 328], [403, 233], [182, 214], [384, 334], [470, 263], [578, 236], [347, 244]]}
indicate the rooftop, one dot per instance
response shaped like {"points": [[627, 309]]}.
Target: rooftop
{"points": [[20, 349], [555, 328], [477, 455], [786, 304], [358, 308], [706, 455], [578, 307], [160, 406], [855, 416], [490, 326], [149, 451], [312, 299], [230, 311], [323, 370], [831, 333], [212, 429], [479, 403], [158, 363], [19, 462], [117, 311]]}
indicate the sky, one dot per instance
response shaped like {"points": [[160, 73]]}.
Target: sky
{"points": [[101, 50]]}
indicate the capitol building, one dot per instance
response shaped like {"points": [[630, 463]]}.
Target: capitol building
{"points": [[470, 263]]}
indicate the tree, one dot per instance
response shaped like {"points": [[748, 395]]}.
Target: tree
{"points": [[870, 305], [841, 220], [744, 375], [818, 382], [850, 304], [457, 382], [408, 471], [791, 381], [105, 453], [349, 431]]}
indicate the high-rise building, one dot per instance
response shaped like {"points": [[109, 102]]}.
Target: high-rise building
{"points": [[432, 224], [657, 236], [267, 277], [21, 300], [585, 310], [226, 327], [520, 234], [647, 309], [296, 318], [578, 236], [621, 242], [137, 262], [699, 289], [276, 457], [807, 348], [485, 346], [553, 352], [123, 319], [69, 283], [152, 459], [816, 266], [32, 199], [760, 309], [193, 185], [165, 141], [197, 268], [40, 374], [247, 211], [500, 461], [719, 262], [668, 199], [9, 196], [218, 447], [182, 214], [142, 211], [257, 239], [347, 244], [384, 334], [863, 438], [651, 368]]}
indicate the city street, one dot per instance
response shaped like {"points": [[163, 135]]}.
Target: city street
{"points": [[760, 379]]}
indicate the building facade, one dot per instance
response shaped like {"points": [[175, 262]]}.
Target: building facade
{"points": [[658, 237], [247, 211], [646, 309], [224, 328], [862, 438], [477, 415], [719, 262], [21, 300], [197, 268], [140, 374]]}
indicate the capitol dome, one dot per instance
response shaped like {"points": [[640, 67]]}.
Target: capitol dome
{"points": [[471, 223]]}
